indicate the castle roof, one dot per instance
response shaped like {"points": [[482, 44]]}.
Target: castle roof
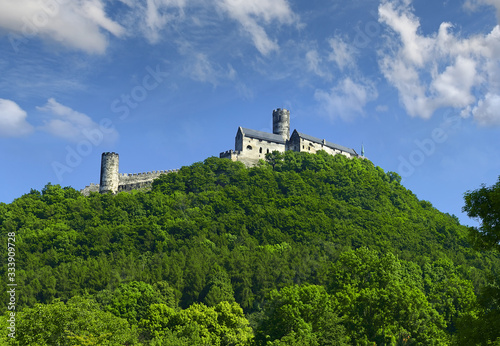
{"points": [[326, 143], [271, 137]]}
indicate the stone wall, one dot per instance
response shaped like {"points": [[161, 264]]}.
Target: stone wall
{"points": [[312, 147], [90, 188], [252, 150], [134, 178], [129, 181]]}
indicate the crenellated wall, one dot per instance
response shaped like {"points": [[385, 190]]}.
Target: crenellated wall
{"points": [[116, 182], [133, 178]]}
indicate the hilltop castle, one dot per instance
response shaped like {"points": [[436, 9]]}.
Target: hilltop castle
{"points": [[250, 147]]}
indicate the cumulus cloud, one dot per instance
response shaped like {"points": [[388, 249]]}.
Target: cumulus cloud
{"points": [[13, 120], [78, 24], [347, 99], [442, 69], [252, 14], [69, 124]]}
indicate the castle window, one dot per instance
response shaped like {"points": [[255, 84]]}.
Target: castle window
{"points": [[268, 151], [249, 147], [260, 150]]}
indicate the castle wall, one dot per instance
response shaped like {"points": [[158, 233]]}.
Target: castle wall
{"points": [[130, 181], [313, 147], [254, 149], [300, 144], [133, 178], [90, 188]]}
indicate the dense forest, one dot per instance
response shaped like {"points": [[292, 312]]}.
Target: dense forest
{"points": [[301, 250]]}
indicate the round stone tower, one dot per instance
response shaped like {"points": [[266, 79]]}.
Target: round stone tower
{"points": [[109, 173], [281, 123]]}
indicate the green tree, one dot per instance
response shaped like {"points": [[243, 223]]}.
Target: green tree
{"points": [[223, 324], [218, 288], [380, 303], [300, 315], [483, 204], [131, 300], [275, 158], [483, 328], [78, 322]]}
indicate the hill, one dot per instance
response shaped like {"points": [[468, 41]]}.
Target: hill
{"points": [[304, 249]]}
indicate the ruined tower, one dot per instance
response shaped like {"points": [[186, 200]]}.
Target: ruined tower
{"points": [[281, 123], [109, 173]]}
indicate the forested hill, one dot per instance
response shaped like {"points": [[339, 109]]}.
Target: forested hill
{"points": [[301, 250]]}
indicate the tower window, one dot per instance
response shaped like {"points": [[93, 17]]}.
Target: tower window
{"points": [[268, 151], [249, 147], [260, 150]]}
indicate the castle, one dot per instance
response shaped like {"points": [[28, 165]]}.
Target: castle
{"points": [[250, 147]]}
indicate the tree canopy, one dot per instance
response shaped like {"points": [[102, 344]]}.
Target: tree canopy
{"points": [[301, 250]]}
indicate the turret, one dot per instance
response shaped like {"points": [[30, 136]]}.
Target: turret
{"points": [[281, 123], [109, 173]]}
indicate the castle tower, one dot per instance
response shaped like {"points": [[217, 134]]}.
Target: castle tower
{"points": [[109, 173], [281, 123]]}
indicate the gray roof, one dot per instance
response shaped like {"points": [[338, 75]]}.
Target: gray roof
{"points": [[328, 144], [271, 137]]}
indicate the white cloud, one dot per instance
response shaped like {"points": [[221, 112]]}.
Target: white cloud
{"points": [[347, 99], [314, 62], [486, 111], [13, 120], [251, 13], [71, 125], [442, 69], [343, 54], [473, 4], [76, 24], [200, 69], [152, 16]]}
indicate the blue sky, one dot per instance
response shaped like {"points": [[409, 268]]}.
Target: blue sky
{"points": [[166, 83]]}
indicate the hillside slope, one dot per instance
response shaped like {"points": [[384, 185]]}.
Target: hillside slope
{"points": [[301, 225]]}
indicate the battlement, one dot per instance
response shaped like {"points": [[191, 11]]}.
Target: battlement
{"points": [[279, 110], [110, 153], [90, 188], [230, 154]]}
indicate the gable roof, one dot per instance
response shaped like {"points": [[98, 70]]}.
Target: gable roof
{"points": [[326, 143], [271, 137]]}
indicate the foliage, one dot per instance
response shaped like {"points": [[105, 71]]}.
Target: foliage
{"points": [[484, 204], [303, 314], [287, 234], [77, 322], [223, 324]]}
